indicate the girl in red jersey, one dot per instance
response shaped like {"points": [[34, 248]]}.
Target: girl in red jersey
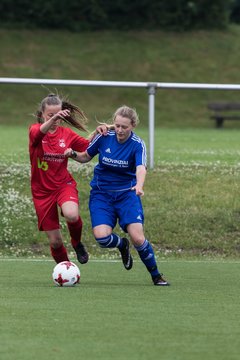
{"points": [[51, 183]]}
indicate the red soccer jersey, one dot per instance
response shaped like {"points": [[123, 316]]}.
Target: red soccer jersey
{"points": [[48, 164]]}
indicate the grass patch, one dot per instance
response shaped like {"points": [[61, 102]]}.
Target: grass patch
{"points": [[118, 314], [153, 56], [190, 202]]}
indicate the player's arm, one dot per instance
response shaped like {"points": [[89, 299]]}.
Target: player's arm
{"points": [[140, 176], [44, 128], [88, 154], [101, 129], [35, 135], [82, 157]]}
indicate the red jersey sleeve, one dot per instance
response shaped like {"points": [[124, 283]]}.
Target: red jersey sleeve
{"points": [[35, 135], [78, 143]]}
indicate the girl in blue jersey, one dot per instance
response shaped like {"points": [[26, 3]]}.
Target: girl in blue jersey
{"points": [[117, 186]]}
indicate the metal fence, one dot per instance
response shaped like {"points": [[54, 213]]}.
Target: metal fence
{"points": [[151, 88]]}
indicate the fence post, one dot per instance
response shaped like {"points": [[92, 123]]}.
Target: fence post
{"points": [[151, 110]]}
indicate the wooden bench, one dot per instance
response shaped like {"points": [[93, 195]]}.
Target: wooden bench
{"points": [[224, 111]]}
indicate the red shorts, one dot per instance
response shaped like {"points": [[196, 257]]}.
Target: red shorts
{"points": [[47, 207]]}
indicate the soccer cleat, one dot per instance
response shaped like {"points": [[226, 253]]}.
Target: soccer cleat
{"points": [[159, 281], [126, 256], [82, 254]]}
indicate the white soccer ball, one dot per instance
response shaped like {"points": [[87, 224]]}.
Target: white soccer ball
{"points": [[66, 273]]}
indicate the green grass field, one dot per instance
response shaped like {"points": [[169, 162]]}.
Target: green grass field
{"points": [[191, 203], [115, 314]]}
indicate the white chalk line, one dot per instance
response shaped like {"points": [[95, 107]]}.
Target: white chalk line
{"points": [[197, 261]]}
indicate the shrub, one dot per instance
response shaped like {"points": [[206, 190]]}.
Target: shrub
{"points": [[78, 15]]}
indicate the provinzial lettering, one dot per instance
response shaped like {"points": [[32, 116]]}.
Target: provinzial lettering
{"points": [[115, 161]]}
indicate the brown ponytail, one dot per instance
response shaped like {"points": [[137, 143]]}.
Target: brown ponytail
{"points": [[76, 118]]}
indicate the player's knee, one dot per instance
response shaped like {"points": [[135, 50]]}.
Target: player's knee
{"points": [[104, 242], [71, 216], [137, 240], [56, 242]]}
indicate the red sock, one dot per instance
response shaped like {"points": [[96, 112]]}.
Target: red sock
{"points": [[59, 254], [75, 230]]}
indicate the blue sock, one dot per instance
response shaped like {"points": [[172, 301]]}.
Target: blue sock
{"points": [[110, 241], [147, 256]]}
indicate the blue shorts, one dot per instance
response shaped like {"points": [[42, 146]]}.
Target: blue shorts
{"points": [[108, 207]]}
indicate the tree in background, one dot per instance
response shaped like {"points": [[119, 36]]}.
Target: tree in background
{"points": [[235, 11], [80, 15]]}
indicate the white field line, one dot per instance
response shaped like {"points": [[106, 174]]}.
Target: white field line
{"points": [[216, 261]]}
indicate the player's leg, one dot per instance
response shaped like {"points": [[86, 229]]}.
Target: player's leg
{"points": [[131, 217], [58, 250], [103, 218], [146, 252], [48, 221], [68, 201], [107, 239]]}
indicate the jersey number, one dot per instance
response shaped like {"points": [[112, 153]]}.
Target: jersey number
{"points": [[42, 165]]}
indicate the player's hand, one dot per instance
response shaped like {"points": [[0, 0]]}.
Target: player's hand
{"points": [[68, 152], [61, 114], [139, 190], [102, 129]]}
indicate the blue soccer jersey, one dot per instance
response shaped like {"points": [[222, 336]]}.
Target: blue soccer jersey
{"points": [[116, 169]]}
